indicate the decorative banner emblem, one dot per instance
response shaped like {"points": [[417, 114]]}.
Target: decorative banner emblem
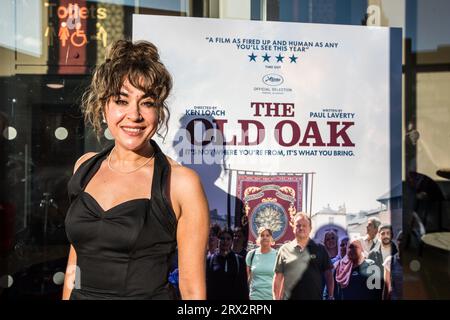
{"points": [[270, 215], [270, 201]]}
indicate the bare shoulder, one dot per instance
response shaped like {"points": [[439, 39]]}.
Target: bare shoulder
{"points": [[181, 174], [187, 193], [82, 159]]}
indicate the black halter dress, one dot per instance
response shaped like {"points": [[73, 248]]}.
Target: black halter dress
{"points": [[124, 252]]}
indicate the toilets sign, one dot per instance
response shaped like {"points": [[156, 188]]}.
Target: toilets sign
{"points": [[72, 27]]}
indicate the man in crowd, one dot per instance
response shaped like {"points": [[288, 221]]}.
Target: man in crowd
{"points": [[300, 264], [382, 250], [385, 247], [355, 274], [369, 241]]}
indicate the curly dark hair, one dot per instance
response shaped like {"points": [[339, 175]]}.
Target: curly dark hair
{"points": [[138, 62]]}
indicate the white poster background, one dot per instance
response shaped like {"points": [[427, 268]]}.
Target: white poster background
{"points": [[351, 75]]}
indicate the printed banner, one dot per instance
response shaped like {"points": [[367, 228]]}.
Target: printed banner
{"points": [[270, 202]]}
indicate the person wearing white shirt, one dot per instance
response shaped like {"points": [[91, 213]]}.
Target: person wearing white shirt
{"points": [[369, 241]]}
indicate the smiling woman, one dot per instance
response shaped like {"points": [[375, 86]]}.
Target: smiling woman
{"points": [[131, 206], [128, 67]]}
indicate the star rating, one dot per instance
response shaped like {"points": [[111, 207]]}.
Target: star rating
{"points": [[266, 57], [252, 57]]}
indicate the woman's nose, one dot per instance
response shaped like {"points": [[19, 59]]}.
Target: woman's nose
{"points": [[133, 113]]}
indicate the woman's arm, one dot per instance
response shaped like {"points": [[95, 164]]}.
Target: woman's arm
{"points": [[192, 232], [69, 278], [249, 275]]}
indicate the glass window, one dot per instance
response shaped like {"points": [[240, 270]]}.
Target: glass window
{"points": [[47, 53]]}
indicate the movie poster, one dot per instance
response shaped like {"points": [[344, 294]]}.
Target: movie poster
{"points": [[283, 117]]}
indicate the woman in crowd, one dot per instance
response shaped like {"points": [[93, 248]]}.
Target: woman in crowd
{"points": [[330, 241], [343, 243], [260, 264]]}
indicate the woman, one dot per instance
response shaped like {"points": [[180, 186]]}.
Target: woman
{"points": [[330, 241], [225, 272], [260, 264], [131, 206], [343, 243], [330, 244]]}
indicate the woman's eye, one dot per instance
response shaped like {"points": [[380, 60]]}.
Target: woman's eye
{"points": [[121, 102], [149, 104]]}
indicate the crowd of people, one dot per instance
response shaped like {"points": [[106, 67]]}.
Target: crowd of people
{"points": [[359, 268]]}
